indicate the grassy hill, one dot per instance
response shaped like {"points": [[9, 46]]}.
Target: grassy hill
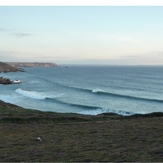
{"points": [[78, 138]]}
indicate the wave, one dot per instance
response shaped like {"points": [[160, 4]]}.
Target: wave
{"points": [[100, 92], [36, 95], [42, 95], [105, 93], [45, 96], [85, 107], [103, 110], [88, 109], [85, 89], [93, 110]]}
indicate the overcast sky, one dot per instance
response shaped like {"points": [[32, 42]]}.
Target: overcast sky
{"points": [[91, 35]]}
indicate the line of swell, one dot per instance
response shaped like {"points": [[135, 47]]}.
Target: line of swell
{"points": [[82, 89], [85, 89], [93, 109], [116, 95], [128, 97], [74, 105], [107, 93], [112, 94]]}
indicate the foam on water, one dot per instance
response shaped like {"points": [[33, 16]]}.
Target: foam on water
{"points": [[88, 90], [102, 110], [36, 95], [96, 90]]}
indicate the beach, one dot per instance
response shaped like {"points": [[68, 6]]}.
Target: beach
{"points": [[78, 138]]}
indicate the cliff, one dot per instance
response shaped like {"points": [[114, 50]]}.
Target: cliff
{"points": [[4, 67], [32, 64]]}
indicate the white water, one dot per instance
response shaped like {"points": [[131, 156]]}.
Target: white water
{"points": [[87, 90]]}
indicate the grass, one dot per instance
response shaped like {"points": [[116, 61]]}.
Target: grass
{"points": [[78, 138]]}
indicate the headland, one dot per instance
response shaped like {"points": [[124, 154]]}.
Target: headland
{"points": [[32, 64], [4, 67], [18, 67]]}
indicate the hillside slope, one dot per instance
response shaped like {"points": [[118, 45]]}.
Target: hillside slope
{"points": [[4, 67], [78, 138]]}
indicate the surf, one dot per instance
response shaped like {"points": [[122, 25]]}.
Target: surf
{"points": [[36, 94], [92, 110], [105, 110], [101, 92], [87, 109]]}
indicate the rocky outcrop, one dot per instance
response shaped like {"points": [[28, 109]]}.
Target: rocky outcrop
{"points": [[32, 64], [5, 81], [4, 67]]}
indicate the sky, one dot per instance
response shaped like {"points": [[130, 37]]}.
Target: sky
{"points": [[113, 35]]}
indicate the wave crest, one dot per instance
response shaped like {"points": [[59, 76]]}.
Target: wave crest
{"points": [[36, 95], [93, 110], [97, 90], [102, 110], [130, 97]]}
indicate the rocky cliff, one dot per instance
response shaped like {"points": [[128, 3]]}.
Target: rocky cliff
{"points": [[32, 64], [4, 67], [13, 67]]}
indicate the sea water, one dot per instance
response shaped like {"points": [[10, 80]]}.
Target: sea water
{"points": [[124, 90]]}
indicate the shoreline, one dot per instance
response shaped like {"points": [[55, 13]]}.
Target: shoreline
{"points": [[17, 109], [141, 102]]}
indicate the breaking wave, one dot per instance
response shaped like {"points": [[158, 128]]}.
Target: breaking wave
{"points": [[87, 109], [93, 110], [36, 95], [116, 95], [103, 110], [100, 92]]}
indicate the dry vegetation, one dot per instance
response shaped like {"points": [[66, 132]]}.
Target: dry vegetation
{"points": [[78, 138]]}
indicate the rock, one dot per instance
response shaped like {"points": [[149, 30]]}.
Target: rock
{"points": [[5, 81]]}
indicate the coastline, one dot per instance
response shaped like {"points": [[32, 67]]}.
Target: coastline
{"points": [[74, 137], [116, 98]]}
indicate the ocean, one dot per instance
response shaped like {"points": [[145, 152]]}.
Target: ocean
{"points": [[125, 90]]}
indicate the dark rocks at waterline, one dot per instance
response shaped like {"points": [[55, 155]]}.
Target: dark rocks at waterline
{"points": [[5, 81], [8, 81]]}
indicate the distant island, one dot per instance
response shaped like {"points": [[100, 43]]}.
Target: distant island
{"points": [[32, 64]]}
